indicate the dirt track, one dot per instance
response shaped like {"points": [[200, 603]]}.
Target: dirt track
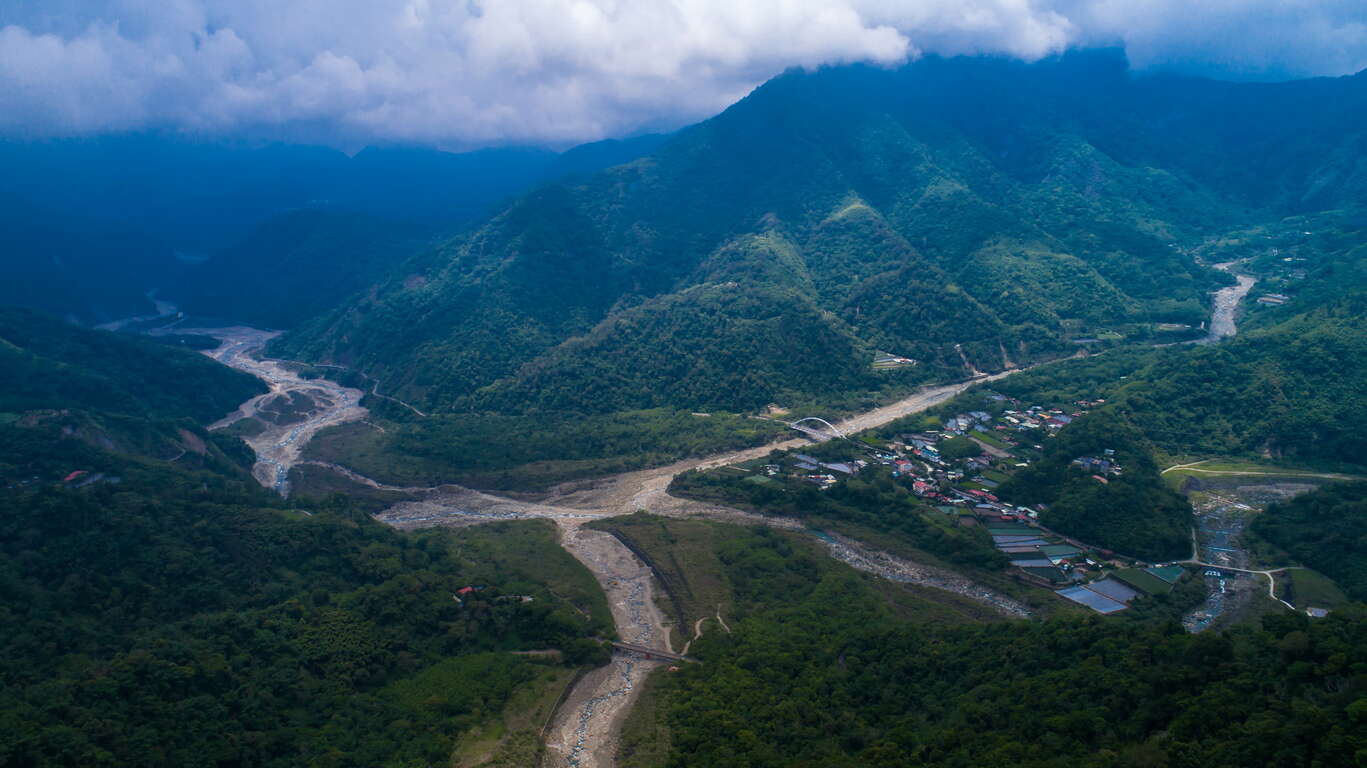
{"points": [[645, 489]]}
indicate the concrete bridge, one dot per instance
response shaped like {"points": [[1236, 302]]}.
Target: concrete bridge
{"points": [[653, 653]]}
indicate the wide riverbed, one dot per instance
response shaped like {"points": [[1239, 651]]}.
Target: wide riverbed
{"points": [[290, 414], [1226, 306]]}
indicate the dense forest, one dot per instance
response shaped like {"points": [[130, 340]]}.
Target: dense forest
{"points": [[175, 618], [164, 609], [891, 222], [819, 670], [46, 364], [1325, 531], [1134, 513]]}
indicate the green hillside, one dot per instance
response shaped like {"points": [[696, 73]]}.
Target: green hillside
{"points": [[767, 254], [48, 364], [819, 665], [164, 609]]}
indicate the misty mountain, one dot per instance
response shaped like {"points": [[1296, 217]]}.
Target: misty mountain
{"points": [[94, 224], [954, 210]]}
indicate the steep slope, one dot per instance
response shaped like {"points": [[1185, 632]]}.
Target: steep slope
{"points": [[91, 225], [163, 608], [72, 398], [47, 364], [295, 266], [1001, 207]]}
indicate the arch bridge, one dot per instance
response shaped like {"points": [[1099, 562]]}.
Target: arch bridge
{"points": [[821, 436]]}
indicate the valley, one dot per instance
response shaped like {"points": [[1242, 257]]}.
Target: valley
{"points": [[963, 411], [585, 728], [277, 438], [1226, 305]]}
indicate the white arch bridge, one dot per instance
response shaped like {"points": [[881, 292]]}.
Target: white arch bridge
{"points": [[826, 431]]}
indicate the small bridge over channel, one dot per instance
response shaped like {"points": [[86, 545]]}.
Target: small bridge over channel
{"points": [[816, 428], [653, 653]]}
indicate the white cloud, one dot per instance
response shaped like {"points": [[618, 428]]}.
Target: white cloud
{"points": [[473, 72]]}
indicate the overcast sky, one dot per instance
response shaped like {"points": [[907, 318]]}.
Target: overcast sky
{"points": [[465, 73]]}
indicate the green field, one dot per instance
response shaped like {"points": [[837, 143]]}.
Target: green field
{"points": [[513, 739], [1305, 588], [1217, 467], [683, 555], [645, 738], [1143, 581]]}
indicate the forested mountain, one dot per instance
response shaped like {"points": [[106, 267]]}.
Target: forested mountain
{"points": [[1323, 530], [91, 225], [1001, 207], [823, 667], [294, 266], [163, 608], [106, 393]]}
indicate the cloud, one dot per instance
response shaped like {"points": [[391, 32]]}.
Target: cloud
{"points": [[460, 73]]}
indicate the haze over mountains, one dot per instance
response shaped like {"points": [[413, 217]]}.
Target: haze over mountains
{"points": [[617, 340], [768, 252], [96, 223]]}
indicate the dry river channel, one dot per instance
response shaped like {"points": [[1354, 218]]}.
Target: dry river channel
{"points": [[1226, 304], [583, 732], [584, 729]]}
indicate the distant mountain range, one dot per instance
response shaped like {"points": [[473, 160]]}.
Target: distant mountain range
{"points": [[92, 225]]}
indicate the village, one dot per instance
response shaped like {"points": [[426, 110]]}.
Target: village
{"points": [[954, 465]]}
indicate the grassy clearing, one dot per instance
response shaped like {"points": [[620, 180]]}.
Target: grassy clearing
{"points": [[1042, 602], [683, 555], [364, 449], [529, 553], [513, 738], [308, 480], [645, 740], [1143, 581], [1176, 474], [1305, 588]]}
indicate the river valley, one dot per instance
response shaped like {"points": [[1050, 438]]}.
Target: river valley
{"points": [[290, 414], [583, 732]]}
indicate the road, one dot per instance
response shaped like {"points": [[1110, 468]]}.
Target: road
{"points": [[1271, 579], [1289, 474], [584, 732]]}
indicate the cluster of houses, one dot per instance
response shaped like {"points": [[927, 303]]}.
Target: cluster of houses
{"points": [[962, 486], [810, 469], [1101, 468]]}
